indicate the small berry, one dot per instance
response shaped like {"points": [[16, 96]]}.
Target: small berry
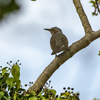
{"points": [[51, 87], [61, 93], [68, 91], [49, 81], [31, 82], [64, 88], [78, 94], [72, 88], [56, 96], [0, 66], [10, 61], [68, 88], [72, 92], [25, 84], [46, 83]]}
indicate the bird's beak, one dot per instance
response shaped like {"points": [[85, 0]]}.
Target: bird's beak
{"points": [[47, 29]]}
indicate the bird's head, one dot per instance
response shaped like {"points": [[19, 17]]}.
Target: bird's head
{"points": [[53, 30]]}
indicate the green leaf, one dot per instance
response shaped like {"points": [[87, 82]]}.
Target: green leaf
{"points": [[27, 94], [93, 2], [66, 94], [58, 99], [10, 82], [6, 98], [1, 94], [4, 70], [18, 83], [0, 75], [32, 98], [33, 93], [6, 75], [15, 95], [45, 99], [0, 82], [16, 72], [52, 91], [40, 95]]}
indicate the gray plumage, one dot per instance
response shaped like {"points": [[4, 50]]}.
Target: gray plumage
{"points": [[58, 41]]}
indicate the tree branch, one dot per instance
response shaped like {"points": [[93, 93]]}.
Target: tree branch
{"points": [[74, 48], [82, 15]]}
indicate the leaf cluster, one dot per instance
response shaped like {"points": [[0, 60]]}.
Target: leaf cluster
{"points": [[95, 4], [11, 89], [9, 82], [48, 93]]}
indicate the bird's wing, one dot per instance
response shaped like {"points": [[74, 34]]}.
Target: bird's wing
{"points": [[52, 43], [55, 48], [64, 42]]}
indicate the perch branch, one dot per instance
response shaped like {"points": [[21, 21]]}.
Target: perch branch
{"points": [[73, 49]]}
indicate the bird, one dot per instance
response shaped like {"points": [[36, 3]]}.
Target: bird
{"points": [[58, 40]]}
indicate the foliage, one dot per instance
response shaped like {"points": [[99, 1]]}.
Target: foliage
{"points": [[11, 89], [7, 6], [95, 4], [96, 99], [33, 0], [50, 94], [10, 82], [99, 53]]}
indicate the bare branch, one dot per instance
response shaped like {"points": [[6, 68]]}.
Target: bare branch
{"points": [[82, 15]]}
